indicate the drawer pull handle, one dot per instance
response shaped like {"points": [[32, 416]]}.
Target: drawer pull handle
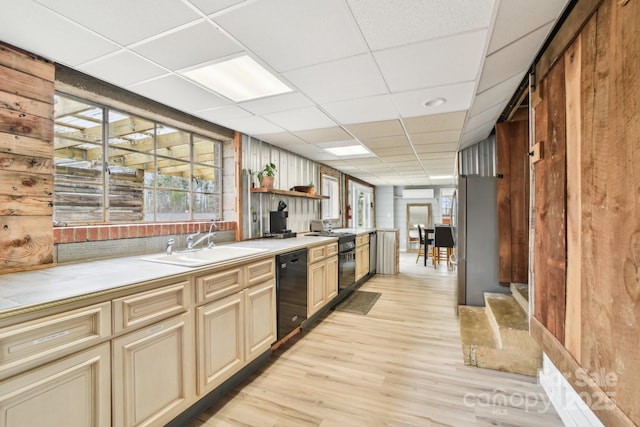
{"points": [[51, 337], [155, 329]]}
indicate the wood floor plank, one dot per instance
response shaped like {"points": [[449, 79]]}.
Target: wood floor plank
{"points": [[400, 365]]}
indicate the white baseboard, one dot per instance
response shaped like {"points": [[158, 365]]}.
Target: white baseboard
{"points": [[573, 411]]}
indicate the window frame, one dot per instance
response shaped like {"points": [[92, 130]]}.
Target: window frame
{"points": [[193, 192]]}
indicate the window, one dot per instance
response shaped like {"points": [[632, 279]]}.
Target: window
{"points": [[145, 172], [330, 206], [446, 204]]}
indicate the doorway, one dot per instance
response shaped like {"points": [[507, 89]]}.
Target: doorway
{"points": [[417, 214]]}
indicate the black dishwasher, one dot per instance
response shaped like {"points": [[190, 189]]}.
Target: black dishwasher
{"points": [[291, 290]]}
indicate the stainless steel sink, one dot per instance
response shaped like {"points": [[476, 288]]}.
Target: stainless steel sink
{"points": [[205, 256]]}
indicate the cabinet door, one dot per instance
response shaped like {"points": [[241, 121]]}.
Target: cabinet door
{"points": [[359, 262], [74, 391], [260, 310], [331, 287], [365, 259], [220, 326], [153, 377], [315, 287]]}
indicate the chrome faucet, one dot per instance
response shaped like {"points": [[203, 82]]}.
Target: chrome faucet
{"points": [[190, 243], [170, 244], [207, 236]]}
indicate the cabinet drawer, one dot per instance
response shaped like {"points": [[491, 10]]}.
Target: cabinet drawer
{"points": [[220, 284], [146, 307], [363, 239], [33, 343], [261, 271], [332, 249], [317, 253]]}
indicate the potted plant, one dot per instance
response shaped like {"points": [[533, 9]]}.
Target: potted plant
{"points": [[265, 176], [312, 189]]}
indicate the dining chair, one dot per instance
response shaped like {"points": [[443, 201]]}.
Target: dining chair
{"points": [[425, 242], [443, 239]]}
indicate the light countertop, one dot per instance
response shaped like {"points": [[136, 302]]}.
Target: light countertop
{"points": [[34, 288]]}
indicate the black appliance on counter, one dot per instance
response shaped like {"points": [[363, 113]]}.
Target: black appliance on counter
{"points": [[291, 290], [278, 222], [346, 256]]}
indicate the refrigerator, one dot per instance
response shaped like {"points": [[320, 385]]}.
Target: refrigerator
{"points": [[477, 239]]}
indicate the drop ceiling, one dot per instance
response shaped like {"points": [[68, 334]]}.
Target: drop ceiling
{"points": [[361, 70]]}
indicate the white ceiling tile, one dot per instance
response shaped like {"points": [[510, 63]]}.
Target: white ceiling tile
{"points": [[109, 68], [436, 148], [211, 6], [375, 108], [354, 77], [135, 20], [491, 114], [435, 137], [502, 92], [184, 52], [365, 161], [251, 125], [387, 141], [220, 114], [513, 59], [386, 23], [273, 104], [364, 131], [315, 136], [435, 122], [411, 104], [281, 139], [510, 26], [49, 35], [291, 34], [179, 93], [438, 62], [301, 119], [392, 150]]}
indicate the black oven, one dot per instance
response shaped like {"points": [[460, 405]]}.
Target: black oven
{"points": [[346, 261]]}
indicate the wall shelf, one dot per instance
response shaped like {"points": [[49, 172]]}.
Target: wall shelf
{"points": [[288, 193]]}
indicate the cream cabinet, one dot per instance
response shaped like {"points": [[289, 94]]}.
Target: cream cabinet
{"points": [[140, 358], [74, 391], [331, 288], [237, 328], [220, 326], [153, 379], [362, 256], [316, 278], [260, 316], [322, 276], [33, 343]]}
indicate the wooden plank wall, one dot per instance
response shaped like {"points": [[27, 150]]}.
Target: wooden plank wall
{"points": [[589, 105], [26, 160], [512, 141], [550, 204]]}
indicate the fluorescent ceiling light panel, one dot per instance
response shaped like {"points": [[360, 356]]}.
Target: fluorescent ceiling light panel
{"points": [[441, 176], [350, 150], [239, 79]]}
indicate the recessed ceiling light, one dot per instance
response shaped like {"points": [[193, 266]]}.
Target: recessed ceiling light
{"points": [[239, 79], [434, 102], [350, 150], [441, 176]]}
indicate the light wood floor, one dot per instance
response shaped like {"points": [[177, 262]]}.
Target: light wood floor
{"points": [[400, 365]]}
